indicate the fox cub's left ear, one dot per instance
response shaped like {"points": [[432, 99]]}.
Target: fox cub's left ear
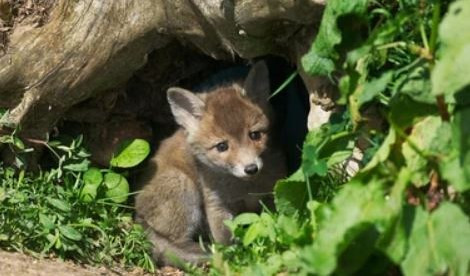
{"points": [[256, 85], [187, 108]]}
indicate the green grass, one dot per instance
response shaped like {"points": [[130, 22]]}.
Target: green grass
{"points": [[46, 214]]}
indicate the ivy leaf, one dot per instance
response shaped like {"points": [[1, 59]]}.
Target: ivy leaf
{"points": [[130, 153]]}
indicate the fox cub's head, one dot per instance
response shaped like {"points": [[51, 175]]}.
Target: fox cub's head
{"points": [[227, 128]]}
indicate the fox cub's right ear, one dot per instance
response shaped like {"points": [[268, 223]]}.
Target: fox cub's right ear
{"points": [[187, 108]]}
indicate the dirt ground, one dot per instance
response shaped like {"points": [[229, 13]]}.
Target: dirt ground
{"points": [[17, 264]]}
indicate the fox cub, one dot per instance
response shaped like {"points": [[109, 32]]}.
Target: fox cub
{"points": [[218, 164]]}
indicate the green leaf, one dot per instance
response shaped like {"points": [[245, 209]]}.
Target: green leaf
{"points": [[416, 84], [130, 153], [357, 213], [405, 111], [70, 232], [79, 166], [88, 193], [383, 152], [59, 204], [320, 60], [93, 177], [338, 157], [438, 243], [372, 89], [46, 221], [3, 194], [455, 168], [18, 143], [311, 164], [424, 133], [290, 196], [452, 72], [351, 208], [117, 187], [246, 218], [255, 231]]}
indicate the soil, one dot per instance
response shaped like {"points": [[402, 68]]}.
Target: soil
{"points": [[17, 264]]}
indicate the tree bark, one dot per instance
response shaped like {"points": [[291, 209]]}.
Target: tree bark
{"points": [[91, 46]]}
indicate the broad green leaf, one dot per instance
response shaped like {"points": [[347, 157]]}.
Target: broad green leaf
{"points": [[290, 196], [59, 204], [93, 177], [416, 84], [254, 231], [311, 163], [70, 232], [353, 210], [320, 60], [130, 153], [439, 243], [117, 187], [455, 168], [452, 72], [88, 193], [405, 111], [424, 133], [358, 213], [394, 241]]}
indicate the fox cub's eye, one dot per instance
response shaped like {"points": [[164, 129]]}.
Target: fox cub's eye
{"points": [[222, 146], [255, 135]]}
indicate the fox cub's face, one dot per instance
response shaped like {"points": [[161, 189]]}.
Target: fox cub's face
{"points": [[227, 128]]}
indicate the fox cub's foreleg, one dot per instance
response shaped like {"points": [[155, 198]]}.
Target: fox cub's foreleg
{"points": [[172, 212]]}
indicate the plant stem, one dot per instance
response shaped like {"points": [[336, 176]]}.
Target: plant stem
{"points": [[436, 17]]}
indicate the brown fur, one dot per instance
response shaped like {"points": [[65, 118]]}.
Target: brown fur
{"points": [[196, 187]]}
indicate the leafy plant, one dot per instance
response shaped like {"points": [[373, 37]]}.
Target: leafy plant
{"points": [[71, 210], [406, 210]]}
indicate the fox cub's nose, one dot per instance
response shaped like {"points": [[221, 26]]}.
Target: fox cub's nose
{"points": [[251, 169]]}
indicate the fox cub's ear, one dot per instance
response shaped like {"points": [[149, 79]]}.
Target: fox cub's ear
{"points": [[256, 85], [187, 108]]}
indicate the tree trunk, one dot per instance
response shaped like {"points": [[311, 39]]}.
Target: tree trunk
{"points": [[91, 46]]}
